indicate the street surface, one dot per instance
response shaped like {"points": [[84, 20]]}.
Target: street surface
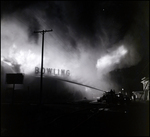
{"points": [[74, 119]]}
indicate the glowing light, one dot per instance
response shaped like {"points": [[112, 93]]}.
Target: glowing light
{"points": [[28, 60], [2, 58], [87, 89], [111, 59], [5, 61], [8, 63], [25, 58]]}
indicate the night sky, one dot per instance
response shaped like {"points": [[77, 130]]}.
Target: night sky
{"points": [[104, 44]]}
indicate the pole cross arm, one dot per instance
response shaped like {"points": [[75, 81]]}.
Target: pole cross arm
{"points": [[40, 31], [48, 30]]}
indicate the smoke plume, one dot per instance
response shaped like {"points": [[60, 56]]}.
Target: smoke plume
{"points": [[89, 40]]}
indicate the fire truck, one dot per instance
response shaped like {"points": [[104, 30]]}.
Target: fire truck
{"points": [[112, 98]]}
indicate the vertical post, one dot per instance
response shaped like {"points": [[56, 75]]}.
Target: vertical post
{"points": [[28, 96], [41, 83], [13, 94]]}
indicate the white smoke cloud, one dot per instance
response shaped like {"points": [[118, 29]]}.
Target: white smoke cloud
{"points": [[83, 63], [63, 48], [107, 62]]}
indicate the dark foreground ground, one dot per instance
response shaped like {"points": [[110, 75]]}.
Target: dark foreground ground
{"points": [[74, 119]]}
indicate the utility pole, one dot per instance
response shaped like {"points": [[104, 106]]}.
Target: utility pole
{"points": [[41, 83]]}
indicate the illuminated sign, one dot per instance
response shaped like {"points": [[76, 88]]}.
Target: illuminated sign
{"points": [[54, 72]]}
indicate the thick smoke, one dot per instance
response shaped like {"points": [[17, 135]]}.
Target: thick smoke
{"points": [[83, 36]]}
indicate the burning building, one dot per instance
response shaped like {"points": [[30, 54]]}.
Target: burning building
{"points": [[145, 82], [143, 94]]}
